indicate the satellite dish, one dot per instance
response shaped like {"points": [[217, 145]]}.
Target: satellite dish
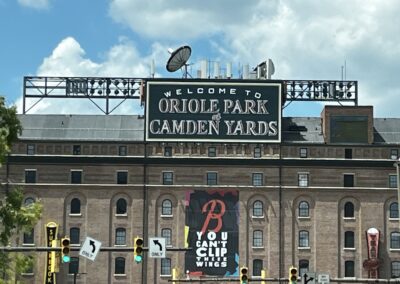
{"points": [[178, 59]]}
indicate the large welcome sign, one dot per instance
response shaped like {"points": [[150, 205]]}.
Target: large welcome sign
{"points": [[212, 230], [196, 111]]}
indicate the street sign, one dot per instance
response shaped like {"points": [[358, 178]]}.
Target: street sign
{"points": [[308, 278], [323, 278], [90, 248], [157, 247]]}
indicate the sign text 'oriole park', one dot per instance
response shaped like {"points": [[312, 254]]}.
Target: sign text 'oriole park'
{"points": [[195, 111]]}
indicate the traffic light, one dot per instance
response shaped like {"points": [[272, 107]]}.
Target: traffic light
{"points": [[293, 275], [65, 243], [243, 275], [138, 249]]}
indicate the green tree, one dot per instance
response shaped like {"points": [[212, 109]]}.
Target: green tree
{"points": [[15, 217]]}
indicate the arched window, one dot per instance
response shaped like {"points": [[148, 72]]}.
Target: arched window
{"points": [[167, 234], [121, 206], [119, 265], [257, 267], [394, 210], [75, 206], [165, 266], [395, 240], [349, 268], [303, 266], [257, 238], [74, 234], [120, 236], [349, 210], [304, 209], [304, 239], [395, 269], [258, 208], [28, 201], [29, 237], [349, 239], [166, 207]]}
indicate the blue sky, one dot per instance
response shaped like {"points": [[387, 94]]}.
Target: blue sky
{"points": [[306, 39]]}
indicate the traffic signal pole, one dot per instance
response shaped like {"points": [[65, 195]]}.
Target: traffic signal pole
{"points": [[77, 248]]}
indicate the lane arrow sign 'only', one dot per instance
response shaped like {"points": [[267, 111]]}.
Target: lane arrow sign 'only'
{"points": [[92, 244]]}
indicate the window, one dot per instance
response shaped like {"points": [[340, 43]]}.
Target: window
{"points": [[303, 179], [393, 181], [349, 210], [30, 149], [257, 152], [122, 151], [303, 152], [73, 267], [303, 239], [166, 207], [120, 236], [29, 237], [395, 269], [121, 207], [349, 268], [168, 178], [257, 179], [258, 209], [167, 234], [349, 239], [394, 154], [30, 176], [28, 269], [257, 267], [348, 153], [212, 152], [304, 209], [257, 239], [122, 177], [28, 201], [75, 206], [395, 240], [212, 178], [76, 176], [76, 149], [304, 266], [394, 210], [74, 234], [348, 180], [119, 265], [165, 266], [167, 151]]}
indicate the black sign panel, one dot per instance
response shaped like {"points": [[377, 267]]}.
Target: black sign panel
{"points": [[212, 231], [196, 111]]}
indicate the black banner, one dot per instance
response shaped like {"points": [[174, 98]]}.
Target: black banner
{"points": [[212, 231], [51, 234], [213, 111]]}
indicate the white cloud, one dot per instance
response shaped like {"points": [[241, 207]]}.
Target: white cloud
{"points": [[307, 39], [68, 59], [36, 4]]}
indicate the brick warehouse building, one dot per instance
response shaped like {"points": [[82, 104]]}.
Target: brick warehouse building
{"points": [[306, 199]]}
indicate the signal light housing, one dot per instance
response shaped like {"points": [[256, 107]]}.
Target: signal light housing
{"points": [[293, 275], [243, 275], [138, 249], [65, 250]]}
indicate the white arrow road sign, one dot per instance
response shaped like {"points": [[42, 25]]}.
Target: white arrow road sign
{"points": [[157, 247], [90, 248]]}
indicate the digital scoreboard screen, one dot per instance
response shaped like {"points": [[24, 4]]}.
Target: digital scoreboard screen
{"points": [[349, 129]]}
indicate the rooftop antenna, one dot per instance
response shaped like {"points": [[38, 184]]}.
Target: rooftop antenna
{"points": [[178, 59]]}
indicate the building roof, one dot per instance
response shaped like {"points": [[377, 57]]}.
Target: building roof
{"points": [[127, 128], [82, 127]]}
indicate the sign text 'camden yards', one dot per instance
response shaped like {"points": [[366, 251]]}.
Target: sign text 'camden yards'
{"points": [[213, 111]]}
